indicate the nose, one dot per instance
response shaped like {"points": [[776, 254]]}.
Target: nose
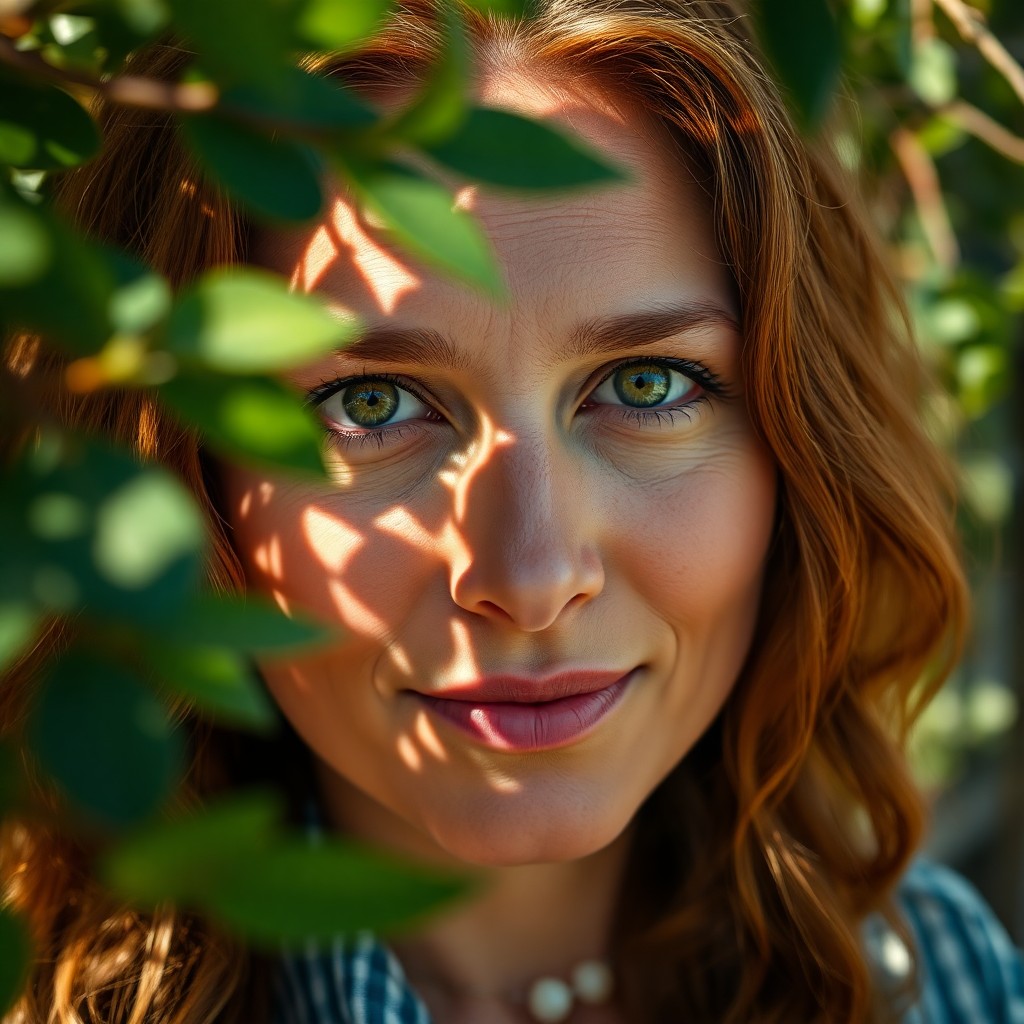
{"points": [[528, 552]]}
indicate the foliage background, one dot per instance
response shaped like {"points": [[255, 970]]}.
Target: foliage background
{"points": [[931, 117]]}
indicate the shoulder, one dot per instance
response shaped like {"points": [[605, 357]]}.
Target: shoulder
{"points": [[969, 969]]}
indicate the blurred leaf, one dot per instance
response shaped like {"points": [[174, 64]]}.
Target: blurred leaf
{"points": [[219, 681], [239, 40], [75, 42], [276, 178], [16, 958], [106, 739], [866, 13], [181, 859], [19, 622], [95, 529], [939, 135], [42, 127], [294, 892], [26, 250], [498, 147], [987, 484], [421, 215], [303, 101], [246, 623], [439, 108], [231, 861], [802, 39], [247, 321], [255, 419], [505, 8], [141, 298], [340, 25], [144, 528], [933, 72], [79, 274]]}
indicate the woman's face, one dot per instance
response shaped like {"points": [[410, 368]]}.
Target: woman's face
{"points": [[547, 534]]}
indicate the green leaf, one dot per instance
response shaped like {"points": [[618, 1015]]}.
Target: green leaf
{"points": [[301, 100], [141, 298], [933, 72], [181, 859], [42, 127], [218, 681], [340, 25], [498, 147], [254, 419], [95, 529], [82, 277], [503, 8], [245, 623], [802, 39], [237, 39], [17, 956], [144, 528], [276, 178], [26, 250], [294, 892], [439, 108], [421, 215], [19, 622], [106, 739], [247, 321], [231, 861]]}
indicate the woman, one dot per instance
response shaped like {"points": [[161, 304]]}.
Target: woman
{"points": [[639, 574]]}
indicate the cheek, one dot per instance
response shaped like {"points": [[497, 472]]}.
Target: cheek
{"points": [[694, 546], [346, 562]]}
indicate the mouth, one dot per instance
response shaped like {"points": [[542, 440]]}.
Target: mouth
{"points": [[520, 714]]}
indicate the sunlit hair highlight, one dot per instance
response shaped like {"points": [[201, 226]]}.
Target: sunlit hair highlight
{"points": [[758, 859]]}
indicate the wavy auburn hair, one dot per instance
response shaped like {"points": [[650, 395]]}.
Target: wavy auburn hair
{"points": [[757, 860]]}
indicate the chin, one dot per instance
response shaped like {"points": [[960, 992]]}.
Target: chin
{"points": [[511, 836]]}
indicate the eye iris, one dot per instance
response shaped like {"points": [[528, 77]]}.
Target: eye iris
{"points": [[642, 384], [370, 403]]}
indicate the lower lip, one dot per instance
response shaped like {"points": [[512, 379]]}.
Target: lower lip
{"points": [[522, 726]]}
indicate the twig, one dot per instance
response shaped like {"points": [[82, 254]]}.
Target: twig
{"points": [[923, 179], [126, 90], [982, 127], [972, 29]]}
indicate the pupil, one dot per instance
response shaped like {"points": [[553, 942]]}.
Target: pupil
{"points": [[370, 403], [642, 386]]}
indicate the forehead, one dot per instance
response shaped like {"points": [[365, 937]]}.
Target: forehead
{"points": [[565, 256]]}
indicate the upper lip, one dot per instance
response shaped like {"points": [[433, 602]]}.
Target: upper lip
{"points": [[526, 689]]}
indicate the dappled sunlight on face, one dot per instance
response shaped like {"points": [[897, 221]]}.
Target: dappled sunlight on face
{"points": [[546, 530]]}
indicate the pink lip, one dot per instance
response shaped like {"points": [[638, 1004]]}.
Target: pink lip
{"points": [[516, 713]]}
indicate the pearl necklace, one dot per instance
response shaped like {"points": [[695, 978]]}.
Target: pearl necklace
{"points": [[550, 1000]]}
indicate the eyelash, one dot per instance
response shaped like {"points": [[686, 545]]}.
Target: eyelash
{"points": [[709, 382]]}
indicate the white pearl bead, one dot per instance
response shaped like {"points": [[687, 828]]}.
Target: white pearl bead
{"points": [[550, 1000], [592, 981]]}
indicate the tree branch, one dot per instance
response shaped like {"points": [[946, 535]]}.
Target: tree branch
{"points": [[972, 29], [923, 179], [983, 127], [126, 90]]}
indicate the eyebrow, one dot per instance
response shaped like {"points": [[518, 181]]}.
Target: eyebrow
{"points": [[423, 346]]}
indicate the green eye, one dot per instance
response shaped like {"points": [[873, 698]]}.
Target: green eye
{"points": [[364, 405], [642, 384], [645, 384], [370, 403]]}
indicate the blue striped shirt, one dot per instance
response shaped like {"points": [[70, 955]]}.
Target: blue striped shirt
{"points": [[969, 970]]}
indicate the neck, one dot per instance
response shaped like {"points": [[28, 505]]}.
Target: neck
{"points": [[522, 923]]}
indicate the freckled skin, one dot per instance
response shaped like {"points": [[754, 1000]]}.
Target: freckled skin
{"points": [[521, 529]]}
